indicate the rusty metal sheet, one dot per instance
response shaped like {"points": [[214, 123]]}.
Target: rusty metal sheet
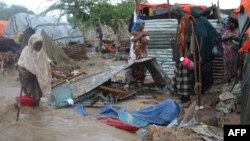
{"points": [[86, 84]]}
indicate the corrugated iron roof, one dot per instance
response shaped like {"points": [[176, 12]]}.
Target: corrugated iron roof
{"points": [[161, 32]]}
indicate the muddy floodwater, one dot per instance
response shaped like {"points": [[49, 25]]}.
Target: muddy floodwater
{"points": [[47, 124]]}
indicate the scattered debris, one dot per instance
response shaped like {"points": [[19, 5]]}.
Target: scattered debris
{"points": [[208, 116], [209, 133], [159, 133], [226, 106], [188, 114], [7, 59], [68, 79], [76, 51], [85, 85], [226, 95]]}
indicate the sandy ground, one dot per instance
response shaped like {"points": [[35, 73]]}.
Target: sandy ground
{"points": [[47, 124]]}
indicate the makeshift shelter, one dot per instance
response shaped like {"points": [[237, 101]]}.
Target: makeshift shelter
{"points": [[61, 32], [7, 44], [161, 9], [2, 27], [162, 30], [243, 15]]}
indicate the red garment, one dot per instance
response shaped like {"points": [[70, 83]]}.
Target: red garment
{"points": [[119, 124], [3, 24], [246, 47], [109, 48]]}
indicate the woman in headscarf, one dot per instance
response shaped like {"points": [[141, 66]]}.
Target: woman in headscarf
{"points": [[138, 50], [34, 69], [230, 48], [183, 80]]}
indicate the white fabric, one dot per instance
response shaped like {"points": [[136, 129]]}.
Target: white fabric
{"points": [[132, 51], [135, 16], [38, 63]]}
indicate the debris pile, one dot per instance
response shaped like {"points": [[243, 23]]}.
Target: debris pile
{"points": [[159, 133], [76, 51]]}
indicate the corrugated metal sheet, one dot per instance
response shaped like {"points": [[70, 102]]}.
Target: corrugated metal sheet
{"points": [[217, 62], [161, 32], [83, 85], [164, 59]]}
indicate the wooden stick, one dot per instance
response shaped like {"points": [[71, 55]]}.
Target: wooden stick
{"points": [[194, 39], [196, 71], [189, 113], [2, 65], [198, 74], [68, 79], [113, 90], [19, 104], [218, 11], [199, 71], [57, 74]]}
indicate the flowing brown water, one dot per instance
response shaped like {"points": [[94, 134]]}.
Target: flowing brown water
{"points": [[46, 124]]}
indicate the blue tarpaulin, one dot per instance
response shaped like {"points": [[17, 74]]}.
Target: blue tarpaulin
{"points": [[61, 95], [81, 110], [160, 114]]}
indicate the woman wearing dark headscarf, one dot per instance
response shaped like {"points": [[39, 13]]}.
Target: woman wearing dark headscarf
{"points": [[183, 77], [190, 26], [230, 48]]}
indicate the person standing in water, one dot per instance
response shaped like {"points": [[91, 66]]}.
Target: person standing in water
{"points": [[34, 69]]}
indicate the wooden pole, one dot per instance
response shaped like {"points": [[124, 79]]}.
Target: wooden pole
{"points": [[112, 90], [19, 104], [68, 79], [218, 11], [195, 47], [169, 13], [195, 68], [199, 71], [136, 3], [198, 74]]}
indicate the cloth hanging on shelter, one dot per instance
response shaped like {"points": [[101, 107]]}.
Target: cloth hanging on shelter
{"points": [[2, 27]]}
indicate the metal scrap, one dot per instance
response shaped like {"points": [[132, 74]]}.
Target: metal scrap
{"points": [[84, 85], [209, 133]]}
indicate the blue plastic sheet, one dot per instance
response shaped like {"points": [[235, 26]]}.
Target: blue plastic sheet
{"points": [[60, 95], [160, 114], [81, 109]]}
